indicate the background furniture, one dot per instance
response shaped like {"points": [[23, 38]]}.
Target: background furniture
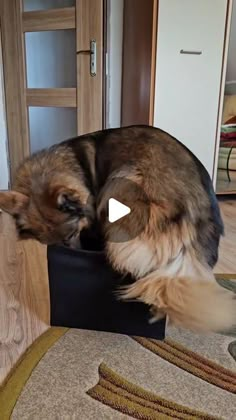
{"points": [[173, 70]]}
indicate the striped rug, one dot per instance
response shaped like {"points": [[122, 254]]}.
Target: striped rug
{"points": [[191, 362], [120, 394]]}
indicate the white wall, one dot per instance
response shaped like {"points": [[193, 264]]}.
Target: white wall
{"points": [[114, 76], [4, 175], [187, 85], [231, 63]]}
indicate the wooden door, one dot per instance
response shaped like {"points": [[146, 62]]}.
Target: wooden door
{"points": [[139, 50], [190, 51], [89, 89], [32, 35]]}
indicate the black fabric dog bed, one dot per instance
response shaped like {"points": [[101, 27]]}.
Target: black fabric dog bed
{"points": [[83, 295]]}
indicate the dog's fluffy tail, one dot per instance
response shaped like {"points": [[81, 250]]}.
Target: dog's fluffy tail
{"points": [[197, 304]]}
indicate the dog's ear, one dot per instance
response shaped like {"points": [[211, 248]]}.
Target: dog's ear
{"points": [[13, 202], [66, 199]]}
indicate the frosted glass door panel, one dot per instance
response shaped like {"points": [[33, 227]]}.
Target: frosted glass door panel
{"points": [[51, 59], [33, 5], [49, 126]]}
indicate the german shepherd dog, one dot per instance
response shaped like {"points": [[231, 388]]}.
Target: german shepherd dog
{"points": [[168, 243]]}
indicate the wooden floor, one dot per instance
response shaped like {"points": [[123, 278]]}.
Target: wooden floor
{"points": [[24, 295], [226, 182]]}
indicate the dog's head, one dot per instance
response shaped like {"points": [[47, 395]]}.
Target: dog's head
{"points": [[48, 205]]}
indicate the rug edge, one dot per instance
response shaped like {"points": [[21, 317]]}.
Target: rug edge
{"points": [[14, 383]]}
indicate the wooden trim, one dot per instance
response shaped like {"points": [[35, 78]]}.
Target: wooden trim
{"points": [[49, 20], [59, 97], [233, 192], [15, 81], [136, 63], [89, 24], [153, 61], [4, 171]]}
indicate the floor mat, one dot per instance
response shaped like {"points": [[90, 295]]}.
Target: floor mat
{"points": [[79, 374]]}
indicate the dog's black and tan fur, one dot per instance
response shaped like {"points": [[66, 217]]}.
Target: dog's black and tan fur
{"points": [[61, 191]]}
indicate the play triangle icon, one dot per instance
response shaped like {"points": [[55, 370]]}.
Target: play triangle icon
{"points": [[116, 210]]}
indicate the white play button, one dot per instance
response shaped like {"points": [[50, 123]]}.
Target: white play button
{"points": [[116, 210]]}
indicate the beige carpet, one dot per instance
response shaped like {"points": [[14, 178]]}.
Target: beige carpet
{"points": [[80, 375]]}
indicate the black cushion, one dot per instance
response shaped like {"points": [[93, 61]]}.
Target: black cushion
{"points": [[83, 295]]}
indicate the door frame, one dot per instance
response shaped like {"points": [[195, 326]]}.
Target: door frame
{"points": [[222, 90], [87, 97], [4, 169], [14, 77]]}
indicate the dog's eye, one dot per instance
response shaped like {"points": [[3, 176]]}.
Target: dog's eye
{"points": [[70, 205]]}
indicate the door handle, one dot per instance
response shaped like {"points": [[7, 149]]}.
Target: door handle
{"points": [[192, 52], [93, 57]]}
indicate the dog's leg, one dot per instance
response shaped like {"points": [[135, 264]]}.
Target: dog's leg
{"points": [[172, 280], [156, 314], [184, 290], [169, 264]]}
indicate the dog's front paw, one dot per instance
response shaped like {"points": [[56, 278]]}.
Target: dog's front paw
{"points": [[157, 314]]}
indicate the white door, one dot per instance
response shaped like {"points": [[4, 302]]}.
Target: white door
{"points": [[4, 174], [190, 45]]}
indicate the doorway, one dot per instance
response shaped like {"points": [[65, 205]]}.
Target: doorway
{"points": [[130, 29]]}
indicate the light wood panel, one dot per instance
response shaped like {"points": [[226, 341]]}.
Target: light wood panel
{"points": [[59, 97], [15, 81], [49, 20], [89, 23], [24, 295]]}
